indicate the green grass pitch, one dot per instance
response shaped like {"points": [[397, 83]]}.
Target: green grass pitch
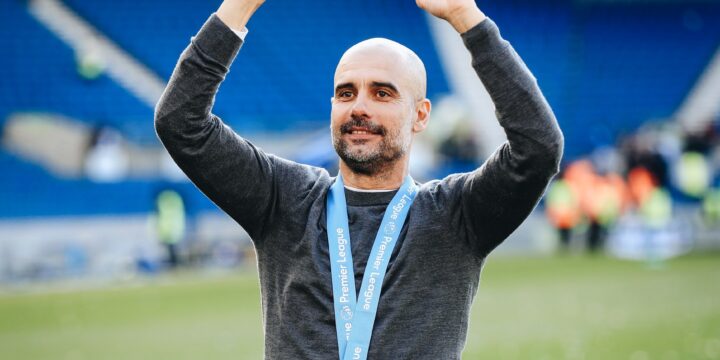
{"points": [[571, 307]]}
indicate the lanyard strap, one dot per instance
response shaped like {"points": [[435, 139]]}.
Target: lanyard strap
{"points": [[354, 318]]}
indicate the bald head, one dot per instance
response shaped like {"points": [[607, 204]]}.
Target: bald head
{"points": [[395, 57]]}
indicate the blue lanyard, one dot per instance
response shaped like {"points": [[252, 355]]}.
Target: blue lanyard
{"points": [[354, 318]]}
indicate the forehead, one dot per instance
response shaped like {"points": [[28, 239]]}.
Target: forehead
{"points": [[377, 64]]}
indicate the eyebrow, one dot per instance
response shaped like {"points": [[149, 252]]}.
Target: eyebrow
{"points": [[388, 85], [375, 84], [347, 85]]}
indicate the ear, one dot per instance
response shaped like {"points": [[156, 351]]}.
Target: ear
{"points": [[423, 108]]}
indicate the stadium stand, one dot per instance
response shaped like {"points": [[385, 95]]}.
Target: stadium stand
{"points": [[39, 74], [284, 77], [636, 65], [605, 68]]}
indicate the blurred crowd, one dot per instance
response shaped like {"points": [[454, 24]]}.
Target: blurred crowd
{"points": [[642, 180]]}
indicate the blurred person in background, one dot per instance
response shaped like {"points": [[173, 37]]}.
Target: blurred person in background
{"points": [[600, 199], [605, 205], [562, 207], [459, 149], [693, 172], [711, 207], [641, 152], [106, 158], [432, 239], [170, 223]]}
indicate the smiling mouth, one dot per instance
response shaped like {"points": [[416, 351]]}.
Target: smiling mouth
{"points": [[362, 132], [361, 128]]}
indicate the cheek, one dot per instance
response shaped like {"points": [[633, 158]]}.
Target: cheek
{"points": [[338, 112], [403, 119], [335, 117]]}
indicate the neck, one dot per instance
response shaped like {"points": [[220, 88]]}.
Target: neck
{"points": [[390, 178]]}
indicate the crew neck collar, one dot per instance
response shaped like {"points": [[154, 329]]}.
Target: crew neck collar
{"points": [[358, 197], [368, 190]]}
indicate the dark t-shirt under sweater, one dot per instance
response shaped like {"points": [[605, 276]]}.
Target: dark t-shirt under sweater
{"points": [[453, 224]]}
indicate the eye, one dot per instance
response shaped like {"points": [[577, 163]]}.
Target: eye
{"points": [[383, 93], [345, 94]]}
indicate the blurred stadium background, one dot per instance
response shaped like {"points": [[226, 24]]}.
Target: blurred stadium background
{"points": [[107, 251]]}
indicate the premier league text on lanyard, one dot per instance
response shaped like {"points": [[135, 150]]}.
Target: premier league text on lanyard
{"points": [[354, 319]]}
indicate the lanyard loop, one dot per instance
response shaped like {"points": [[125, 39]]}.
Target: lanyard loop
{"points": [[354, 318]]}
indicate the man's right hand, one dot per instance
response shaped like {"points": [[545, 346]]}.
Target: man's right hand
{"points": [[236, 13], [463, 15]]}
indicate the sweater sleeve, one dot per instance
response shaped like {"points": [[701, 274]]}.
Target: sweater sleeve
{"points": [[497, 197], [234, 174]]}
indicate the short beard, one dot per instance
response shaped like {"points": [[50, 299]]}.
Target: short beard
{"points": [[371, 163]]}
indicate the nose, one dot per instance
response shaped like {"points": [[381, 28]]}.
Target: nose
{"points": [[360, 106]]}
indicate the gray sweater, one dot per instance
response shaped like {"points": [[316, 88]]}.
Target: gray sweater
{"points": [[453, 224]]}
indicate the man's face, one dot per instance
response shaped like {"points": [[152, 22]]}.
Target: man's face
{"points": [[373, 110]]}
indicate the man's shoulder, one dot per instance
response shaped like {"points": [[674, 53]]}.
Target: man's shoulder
{"points": [[443, 191], [290, 173], [449, 182]]}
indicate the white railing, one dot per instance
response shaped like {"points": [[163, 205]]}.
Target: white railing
{"points": [[85, 39]]}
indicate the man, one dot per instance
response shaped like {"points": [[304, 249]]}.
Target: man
{"points": [[314, 233]]}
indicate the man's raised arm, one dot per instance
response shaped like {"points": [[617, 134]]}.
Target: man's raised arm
{"points": [[229, 170], [499, 195]]}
